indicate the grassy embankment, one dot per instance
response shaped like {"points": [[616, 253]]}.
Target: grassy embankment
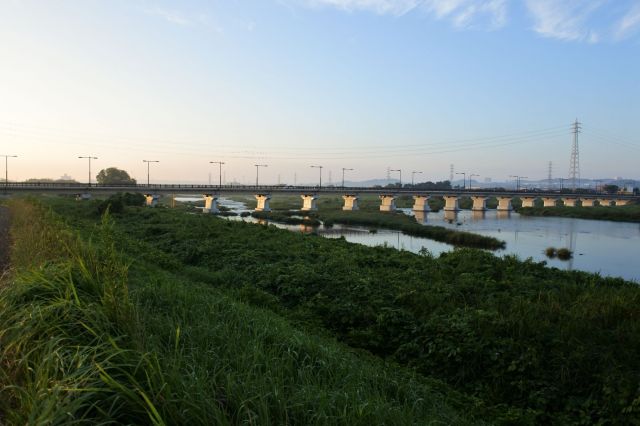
{"points": [[90, 335], [535, 344], [630, 213], [330, 212]]}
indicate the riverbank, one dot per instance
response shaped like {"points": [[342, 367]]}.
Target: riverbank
{"points": [[330, 212], [98, 325], [630, 213], [501, 330]]}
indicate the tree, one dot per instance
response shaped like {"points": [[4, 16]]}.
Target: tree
{"points": [[610, 189], [114, 176]]}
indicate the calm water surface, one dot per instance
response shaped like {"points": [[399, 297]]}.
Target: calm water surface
{"points": [[609, 248]]}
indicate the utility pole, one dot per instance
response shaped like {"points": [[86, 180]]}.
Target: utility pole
{"points": [[219, 163], [90, 158], [470, 177], [464, 179], [398, 170], [6, 171], [148, 164], [343, 170], [518, 178], [574, 164], [257, 173], [413, 173], [319, 167]]}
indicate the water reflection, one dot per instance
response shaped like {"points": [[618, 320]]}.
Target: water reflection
{"points": [[421, 217], [609, 248], [451, 216], [478, 215]]}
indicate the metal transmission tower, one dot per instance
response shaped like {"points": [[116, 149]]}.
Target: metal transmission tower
{"points": [[550, 175], [451, 174], [574, 164]]}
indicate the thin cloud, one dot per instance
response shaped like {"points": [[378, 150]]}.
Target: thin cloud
{"points": [[629, 24], [461, 13], [564, 20], [171, 16]]}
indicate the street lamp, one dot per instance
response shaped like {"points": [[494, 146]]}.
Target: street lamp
{"points": [[258, 168], [6, 170], [319, 167], [148, 164], [90, 158], [343, 170], [398, 170], [220, 163], [464, 179], [470, 177], [518, 178], [413, 173]]}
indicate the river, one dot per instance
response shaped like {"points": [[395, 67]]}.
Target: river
{"points": [[607, 248]]}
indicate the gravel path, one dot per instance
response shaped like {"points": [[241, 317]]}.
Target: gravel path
{"points": [[4, 239]]}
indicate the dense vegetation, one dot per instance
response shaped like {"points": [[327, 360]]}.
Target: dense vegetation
{"points": [[630, 213], [86, 339], [533, 344], [330, 212]]}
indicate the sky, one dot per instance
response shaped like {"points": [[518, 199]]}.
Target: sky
{"points": [[491, 86]]}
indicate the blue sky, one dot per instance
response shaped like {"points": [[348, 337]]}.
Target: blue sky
{"points": [[491, 86]]}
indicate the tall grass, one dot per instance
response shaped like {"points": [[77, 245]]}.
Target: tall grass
{"points": [[77, 347]]}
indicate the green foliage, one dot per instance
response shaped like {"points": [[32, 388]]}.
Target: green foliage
{"points": [[117, 202], [408, 225], [629, 213], [114, 176], [535, 344], [77, 347]]}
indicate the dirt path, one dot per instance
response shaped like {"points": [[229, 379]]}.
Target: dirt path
{"points": [[4, 239]]}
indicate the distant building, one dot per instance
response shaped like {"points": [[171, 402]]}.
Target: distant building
{"points": [[487, 180], [65, 177]]}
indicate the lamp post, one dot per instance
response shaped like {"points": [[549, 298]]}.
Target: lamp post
{"points": [[470, 177], [518, 178], [343, 170], [90, 158], [220, 163], [320, 168], [400, 171], [6, 170], [413, 173], [257, 173], [148, 164], [464, 179]]}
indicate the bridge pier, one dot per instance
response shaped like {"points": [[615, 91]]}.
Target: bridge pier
{"points": [[549, 202], [262, 201], [588, 202], [350, 202], [421, 203], [151, 200], [388, 203], [210, 204], [451, 203], [527, 201], [309, 202], [479, 204], [622, 202], [504, 204], [569, 202], [605, 202]]}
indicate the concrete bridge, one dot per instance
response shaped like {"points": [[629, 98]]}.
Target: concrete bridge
{"points": [[310, 194]]}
